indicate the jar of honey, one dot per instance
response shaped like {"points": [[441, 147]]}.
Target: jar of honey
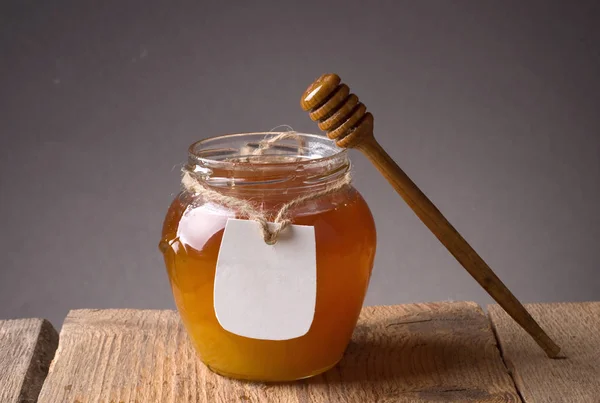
{"points": [[292, 169]]}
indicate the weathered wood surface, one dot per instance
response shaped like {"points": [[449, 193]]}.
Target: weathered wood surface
{"points": [[576, 328], [26, 349], [408, 353]]}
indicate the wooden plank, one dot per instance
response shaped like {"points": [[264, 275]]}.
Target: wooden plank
{"points": [[408, 353], [576, 329], [26, 349]]}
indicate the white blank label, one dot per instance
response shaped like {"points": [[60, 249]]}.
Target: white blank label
{"points": [[266, 291]]}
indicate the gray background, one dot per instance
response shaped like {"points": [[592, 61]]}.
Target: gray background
{"points": [[491, 107]]}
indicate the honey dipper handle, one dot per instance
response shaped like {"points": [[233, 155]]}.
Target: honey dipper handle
{"points": [[454, 242]]}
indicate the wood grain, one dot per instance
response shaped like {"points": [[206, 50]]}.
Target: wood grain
{"points": [[26, 349], [576, 377], [409, 353], [346, 121]]}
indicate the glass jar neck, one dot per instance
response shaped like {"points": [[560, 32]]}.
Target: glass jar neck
{"points": [[240, 165]]}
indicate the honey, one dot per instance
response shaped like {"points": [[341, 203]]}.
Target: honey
{"points": [[345, 245]]}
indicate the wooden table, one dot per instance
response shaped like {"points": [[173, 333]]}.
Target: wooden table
{"points": [[435, 352]]}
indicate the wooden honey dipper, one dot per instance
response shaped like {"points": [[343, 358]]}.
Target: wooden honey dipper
{"points": [[346, 120]]}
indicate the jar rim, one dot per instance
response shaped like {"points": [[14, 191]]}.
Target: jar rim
{"points": [[197, 153]]}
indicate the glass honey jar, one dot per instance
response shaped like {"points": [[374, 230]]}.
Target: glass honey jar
{"points": [[290, 169]]}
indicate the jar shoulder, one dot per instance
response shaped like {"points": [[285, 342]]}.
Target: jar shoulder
{"points": [[339, 209]]}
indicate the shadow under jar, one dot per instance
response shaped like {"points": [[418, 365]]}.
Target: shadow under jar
{"points": [[345, 249]]}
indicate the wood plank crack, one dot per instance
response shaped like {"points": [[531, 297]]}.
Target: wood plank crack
{"points": [[573, 377]]}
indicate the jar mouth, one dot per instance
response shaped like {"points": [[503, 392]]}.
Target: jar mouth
{"points": [[291, 160], [229, 149]]}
